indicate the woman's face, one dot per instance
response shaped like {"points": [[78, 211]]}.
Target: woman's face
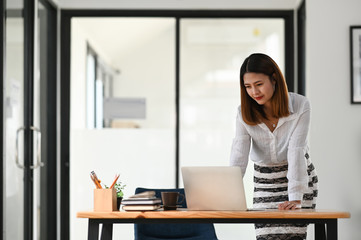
{"points": [[259, 87]]}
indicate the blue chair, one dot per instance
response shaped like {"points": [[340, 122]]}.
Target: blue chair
{"points": [[181, 231]]}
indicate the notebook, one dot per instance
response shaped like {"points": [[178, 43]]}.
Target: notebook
{"points": [[214, 188]]}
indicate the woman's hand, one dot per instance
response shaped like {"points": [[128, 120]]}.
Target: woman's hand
{"points": [[289, 205]]}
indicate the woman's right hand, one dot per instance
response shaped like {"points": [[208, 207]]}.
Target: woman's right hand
{"points": [[289, 205]]}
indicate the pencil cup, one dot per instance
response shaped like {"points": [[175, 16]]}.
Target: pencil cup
{"points": [[105, 200]]}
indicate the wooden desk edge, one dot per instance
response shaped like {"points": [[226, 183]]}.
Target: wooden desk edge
{"points": [[274, 214]]}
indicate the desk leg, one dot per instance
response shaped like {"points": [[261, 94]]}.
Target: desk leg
{"points": [[93, 230], [332, 229], [320, 233], [107, 231]]}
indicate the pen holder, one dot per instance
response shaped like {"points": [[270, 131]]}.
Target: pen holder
{"points": [[105, 200]]}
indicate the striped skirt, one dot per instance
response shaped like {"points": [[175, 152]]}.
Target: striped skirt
{"points": [[270, 189]]}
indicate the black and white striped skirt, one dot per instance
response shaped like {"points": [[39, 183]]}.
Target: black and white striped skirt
{"points": [[270, 189]]}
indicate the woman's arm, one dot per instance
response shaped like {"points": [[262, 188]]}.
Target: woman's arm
{"points": [[240, 146], [297, 164]]}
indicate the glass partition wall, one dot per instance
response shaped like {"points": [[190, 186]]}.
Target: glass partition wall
{"points": [[130, 67], [169, 90], [212, 51]]}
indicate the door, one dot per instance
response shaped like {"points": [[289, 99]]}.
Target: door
{"points": [[16, 191], [29, 93]]}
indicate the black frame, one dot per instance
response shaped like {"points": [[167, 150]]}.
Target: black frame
{"points": [[66, 15], [48, 105], [29, 29], [301, 48], [352, 28]]}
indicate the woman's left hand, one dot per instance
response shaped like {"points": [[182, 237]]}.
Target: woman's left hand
{"points": [[289, 205]]}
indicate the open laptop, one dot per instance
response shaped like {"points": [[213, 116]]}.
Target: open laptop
{"points": [[214, 188]]}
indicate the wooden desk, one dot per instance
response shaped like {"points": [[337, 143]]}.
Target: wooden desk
{"points": [[320, 218]]}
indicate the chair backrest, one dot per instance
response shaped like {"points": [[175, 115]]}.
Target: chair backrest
{"points": [[184, 231]]}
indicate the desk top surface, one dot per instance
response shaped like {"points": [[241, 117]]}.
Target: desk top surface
{"points": [[183, 213]]}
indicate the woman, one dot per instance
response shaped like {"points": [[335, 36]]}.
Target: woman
{"points": [[271, 129]]}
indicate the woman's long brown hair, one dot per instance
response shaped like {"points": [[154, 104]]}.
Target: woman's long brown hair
{"points": [[252, 112]]}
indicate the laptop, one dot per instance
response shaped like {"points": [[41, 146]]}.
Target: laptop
{"points": [[214, 188]]}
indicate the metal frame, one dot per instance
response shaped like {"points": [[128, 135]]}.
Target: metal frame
{"points": [[29, 36], [48, 199], [66, 15]]}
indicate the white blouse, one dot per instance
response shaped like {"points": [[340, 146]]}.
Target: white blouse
{"points": [[286, 144]]}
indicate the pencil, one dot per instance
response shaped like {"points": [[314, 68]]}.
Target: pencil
{"points": [[115, 180], [96, 180]]}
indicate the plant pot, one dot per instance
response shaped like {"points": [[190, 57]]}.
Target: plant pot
{"points": [[119, 201]]}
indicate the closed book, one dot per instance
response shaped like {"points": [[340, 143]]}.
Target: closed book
{"points": [[141, 201], [140, 207], [146, 194]]}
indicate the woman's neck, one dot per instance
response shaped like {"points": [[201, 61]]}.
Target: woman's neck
{"points": [[267, 108]]}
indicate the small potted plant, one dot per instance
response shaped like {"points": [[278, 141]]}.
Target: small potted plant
{"points": [[119, 187]]}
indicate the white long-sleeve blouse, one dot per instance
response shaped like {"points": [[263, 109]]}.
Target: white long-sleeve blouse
{"points": [[286, 144]]}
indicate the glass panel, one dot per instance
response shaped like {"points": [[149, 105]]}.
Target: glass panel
{"points": [[135, 65], [14, 114], [212, 51]]}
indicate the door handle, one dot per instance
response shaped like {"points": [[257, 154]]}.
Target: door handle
{"points": [[17, 162], [39, 163]]}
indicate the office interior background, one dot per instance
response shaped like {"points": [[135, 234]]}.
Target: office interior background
{"points": [[116, 90]]}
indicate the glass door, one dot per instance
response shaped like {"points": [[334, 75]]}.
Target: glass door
{"points": [[30, 127], [14, 123]]}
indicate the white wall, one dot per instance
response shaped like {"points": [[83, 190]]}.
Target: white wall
{"points": [[336, 124]]}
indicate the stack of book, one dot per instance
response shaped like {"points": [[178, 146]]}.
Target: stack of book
{"points": [[144, 201]]}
